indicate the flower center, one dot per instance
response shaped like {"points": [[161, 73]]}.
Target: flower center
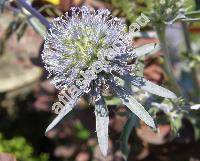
{"points": [[86, 46]]}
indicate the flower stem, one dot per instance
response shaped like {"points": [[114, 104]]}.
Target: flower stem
{"points": [[167, 64], [189, 51], [34, 12]]}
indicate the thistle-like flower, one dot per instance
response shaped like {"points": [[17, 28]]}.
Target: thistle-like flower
{"points": [[167, 11], [86, 53]]}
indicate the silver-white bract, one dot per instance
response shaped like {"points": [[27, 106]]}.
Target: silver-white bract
{"points": [[78, 40]]}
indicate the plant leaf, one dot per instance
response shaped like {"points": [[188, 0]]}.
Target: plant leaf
{"points": [[21, 30], [139, 110], [133, 105], [132, 122], [141, 51], [193, 13], [102, 121], [146, 49], [64, 111], [37, 25], [191, 19], [149, 86]]}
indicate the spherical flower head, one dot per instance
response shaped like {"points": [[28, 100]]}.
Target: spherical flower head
{"points": [[74, 43], [167, 11]]}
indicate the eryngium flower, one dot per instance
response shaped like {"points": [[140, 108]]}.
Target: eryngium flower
{"points": [[75, 43], [167, 11]]}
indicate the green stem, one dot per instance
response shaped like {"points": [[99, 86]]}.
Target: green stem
{"points": [[132, 122], [191, 20], [167, 64], [193, 13], [188, 52]]}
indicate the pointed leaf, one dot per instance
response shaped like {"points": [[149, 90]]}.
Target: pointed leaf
{"points": [[149, 86], [193, 13], [139, 110], [37, 25], [102, 133], [65, 110], [133, 105], [140, 51], [146, 49], [102, 121], [191, 19], [157, 90]]}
